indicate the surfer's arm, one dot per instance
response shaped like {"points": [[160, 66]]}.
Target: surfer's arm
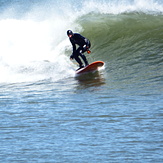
{"points": [[86, 46], [74, 48], [73, 45], [87, 43]]}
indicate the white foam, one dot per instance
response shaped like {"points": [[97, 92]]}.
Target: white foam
{"points": [[27, 45]]}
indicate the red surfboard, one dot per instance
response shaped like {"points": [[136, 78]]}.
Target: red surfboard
{"points": [[91, 67]]}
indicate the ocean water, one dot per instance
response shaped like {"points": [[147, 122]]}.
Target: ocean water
{"points": [[49, 115]]}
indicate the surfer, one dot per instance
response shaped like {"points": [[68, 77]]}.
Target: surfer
{"points": [[84, 45]]}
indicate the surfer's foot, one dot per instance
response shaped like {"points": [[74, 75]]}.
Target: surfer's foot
{"points": [[80, 67], [86, 63]]}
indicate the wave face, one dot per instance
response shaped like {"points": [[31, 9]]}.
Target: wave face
{"points": [[127, 35]]}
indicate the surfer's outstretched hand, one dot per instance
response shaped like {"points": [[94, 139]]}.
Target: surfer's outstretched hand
{"points": [[72, 57]]}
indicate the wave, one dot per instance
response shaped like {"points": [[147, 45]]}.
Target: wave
{"points": [[124, 30], [34, 45], [131, 44]]}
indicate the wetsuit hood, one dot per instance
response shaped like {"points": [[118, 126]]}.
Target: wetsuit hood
{"points": [[69, 32]]}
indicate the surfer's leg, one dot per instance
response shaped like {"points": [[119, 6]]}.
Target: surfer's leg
{"points": [[84, 59], [76, 56], [80, 51], [78, 60]]}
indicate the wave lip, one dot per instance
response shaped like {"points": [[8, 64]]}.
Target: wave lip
{"points": [[118, 7]]}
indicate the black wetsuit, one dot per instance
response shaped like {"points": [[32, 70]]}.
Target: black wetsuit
{"points": [[84, 45]]}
